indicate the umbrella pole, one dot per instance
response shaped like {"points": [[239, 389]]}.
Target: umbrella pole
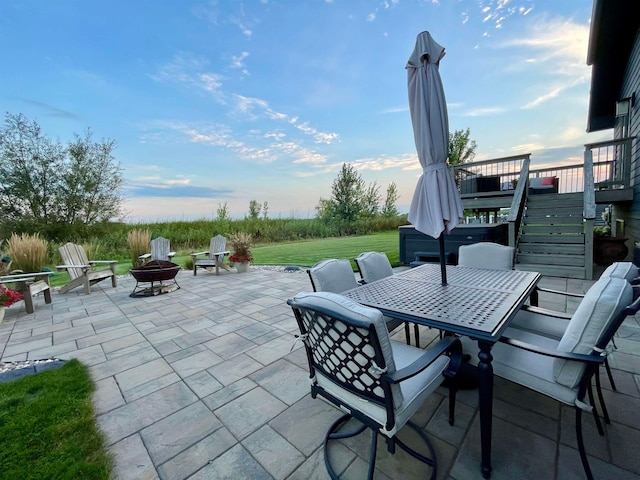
{"points": [[443, 261]]}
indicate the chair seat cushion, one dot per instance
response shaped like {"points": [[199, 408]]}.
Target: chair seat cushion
{"points": [[415, 390], [526, 368]]}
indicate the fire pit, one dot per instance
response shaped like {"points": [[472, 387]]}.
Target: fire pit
{"points": [[155, 272]]}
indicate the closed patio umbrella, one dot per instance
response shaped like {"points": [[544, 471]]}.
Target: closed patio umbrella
{"points": [[436, 207]]}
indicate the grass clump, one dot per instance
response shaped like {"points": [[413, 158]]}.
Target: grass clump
{"points": [[138, 240], [47, 427], [28, 252]]}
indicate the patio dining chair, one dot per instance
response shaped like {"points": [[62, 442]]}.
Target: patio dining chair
{"points": [[379, 382], [553, 324], [486, 255], [336, 276], [374, 266], [563, 369]]}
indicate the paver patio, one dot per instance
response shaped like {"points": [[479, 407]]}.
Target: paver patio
{"points": [[206, 383]]}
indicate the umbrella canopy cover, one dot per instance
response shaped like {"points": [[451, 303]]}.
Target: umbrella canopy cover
{"points": [[436, 206]]}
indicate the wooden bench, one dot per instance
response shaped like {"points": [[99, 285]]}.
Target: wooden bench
{"points": [[30, 284]]}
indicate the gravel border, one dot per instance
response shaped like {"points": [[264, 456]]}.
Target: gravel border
{"points": [[14, 370]]}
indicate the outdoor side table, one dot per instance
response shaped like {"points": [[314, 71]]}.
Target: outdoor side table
{"points": [[477, 303]]}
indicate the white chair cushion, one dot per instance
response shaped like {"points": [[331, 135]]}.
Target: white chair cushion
{"points": [[333, 276], [602, 302], [526, 368], [486, 255], [626, 270], [374, 266]]}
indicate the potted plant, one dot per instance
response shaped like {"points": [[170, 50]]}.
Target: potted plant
{"points": [[608, 249], [8, 296], [241, 246]]}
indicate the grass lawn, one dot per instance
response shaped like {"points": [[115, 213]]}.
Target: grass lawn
{"points": [[303, 254], [47, 427]]}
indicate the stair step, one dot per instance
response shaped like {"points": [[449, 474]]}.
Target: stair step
{"points": [[534, 238], [553, 270], [551, 259], [551, 248], [552, 229], [557, 198], [558, 216]]}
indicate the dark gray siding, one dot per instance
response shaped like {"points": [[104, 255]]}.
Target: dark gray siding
{"points": [[630, 212]]}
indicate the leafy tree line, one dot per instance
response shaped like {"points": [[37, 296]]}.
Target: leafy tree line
{"points": [[353, 200], [52, 188]]}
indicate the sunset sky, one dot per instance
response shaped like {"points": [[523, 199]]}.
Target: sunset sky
{"points": [[232, 101]]}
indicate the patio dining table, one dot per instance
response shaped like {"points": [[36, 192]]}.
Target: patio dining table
{"points": [[477, 303]]}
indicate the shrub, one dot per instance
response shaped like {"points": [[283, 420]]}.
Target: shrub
{"points": [[138, 240], [28, 252]]}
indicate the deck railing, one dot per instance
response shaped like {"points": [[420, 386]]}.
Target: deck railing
{"points": [[506, 169], [611, 169]]}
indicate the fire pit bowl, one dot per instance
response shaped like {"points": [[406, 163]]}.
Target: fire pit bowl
{"points": [[155, 271]]}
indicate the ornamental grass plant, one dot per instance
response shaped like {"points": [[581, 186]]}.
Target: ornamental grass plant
{"points": [[28, 252], [139, 241]]}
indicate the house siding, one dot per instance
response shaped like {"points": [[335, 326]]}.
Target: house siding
{"points": [[630, 211]]}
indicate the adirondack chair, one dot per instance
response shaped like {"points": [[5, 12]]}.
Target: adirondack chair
{"points": [[160, 250], [81, 270], [30, 284], [214, 256]]}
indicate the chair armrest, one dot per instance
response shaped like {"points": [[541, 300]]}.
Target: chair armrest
{"points": [[534, 295], [226, 252], [18, 277], [194, 255], [593, 358], [95, 262], [448, 344], [546, 312], [64, 267], [171, 254], [559, 292], [144, 255]]}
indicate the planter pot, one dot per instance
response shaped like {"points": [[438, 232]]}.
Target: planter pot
{"points": [[607, 250], [242, 267]]}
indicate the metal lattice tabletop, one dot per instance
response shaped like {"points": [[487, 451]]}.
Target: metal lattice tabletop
{"points": [[473, 301]]}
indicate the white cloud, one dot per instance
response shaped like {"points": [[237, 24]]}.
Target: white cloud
{"points": [[237, 62]]}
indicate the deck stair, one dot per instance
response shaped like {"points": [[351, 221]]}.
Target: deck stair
{"points": [[552, 239]]}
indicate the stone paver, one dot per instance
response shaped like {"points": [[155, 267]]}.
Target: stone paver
{"points": [[192, 385]]}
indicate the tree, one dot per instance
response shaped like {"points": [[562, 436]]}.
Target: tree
{"points": [[91, 185], [389, 209], [254, 209], [43, 183], [347, 194], [371, 200], [265, 210], [461, 148], [223, 212]]}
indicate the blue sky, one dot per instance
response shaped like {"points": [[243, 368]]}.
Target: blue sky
{"points": [[228, 101]]}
